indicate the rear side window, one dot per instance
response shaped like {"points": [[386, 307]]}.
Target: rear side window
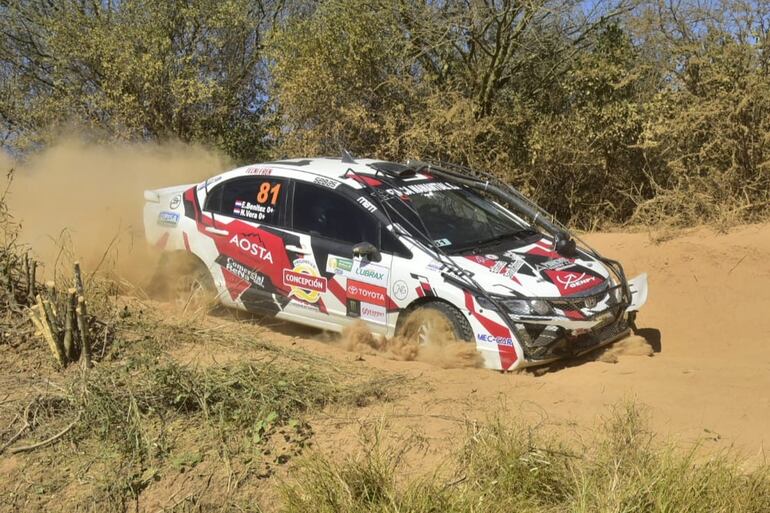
{"points": [[321, 211], [255, 199]]}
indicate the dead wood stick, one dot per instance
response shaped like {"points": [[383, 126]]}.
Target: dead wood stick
{"points": [[48, 332], [69, 324], [78, 279], [85, 341], [31, 277], [50, 291], [47, 441], [25, 418]]}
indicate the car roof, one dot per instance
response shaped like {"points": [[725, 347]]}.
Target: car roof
{"points": [[326, 167]]}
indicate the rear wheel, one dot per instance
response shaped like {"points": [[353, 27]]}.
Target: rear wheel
{"points": [[435, 321], [181, 275]]}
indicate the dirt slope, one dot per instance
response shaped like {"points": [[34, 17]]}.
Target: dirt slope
{"points": [[708, 318]]}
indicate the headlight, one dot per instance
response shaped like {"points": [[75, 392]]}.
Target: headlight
{"points": [[527, 306], [519, 306]]}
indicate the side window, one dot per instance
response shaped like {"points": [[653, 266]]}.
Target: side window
{"points": [[321, 211], [256, 199], [390, 244]]}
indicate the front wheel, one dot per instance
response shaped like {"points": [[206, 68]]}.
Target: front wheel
{"points": [[435, 322]]}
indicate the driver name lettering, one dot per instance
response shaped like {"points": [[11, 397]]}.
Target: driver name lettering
{"points": [[252, 248], [252, 210], [422, 188]]}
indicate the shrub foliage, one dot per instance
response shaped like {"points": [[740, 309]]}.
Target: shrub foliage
{"points": [[609, 111]]}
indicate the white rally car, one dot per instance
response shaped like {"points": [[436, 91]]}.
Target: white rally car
{"points": [[325, 242]]}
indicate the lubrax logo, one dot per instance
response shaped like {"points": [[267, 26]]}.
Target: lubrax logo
{"points": [[252, 247], [363, 271]]}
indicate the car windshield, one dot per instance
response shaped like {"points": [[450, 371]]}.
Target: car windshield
{"points": [[456, 219]]}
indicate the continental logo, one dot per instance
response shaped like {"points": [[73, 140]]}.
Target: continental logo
{"points": [[305, 281]]}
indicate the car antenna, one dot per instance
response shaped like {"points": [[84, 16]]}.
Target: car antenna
{"points": [[347, 158]]}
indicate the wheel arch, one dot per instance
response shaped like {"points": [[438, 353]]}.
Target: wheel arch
{"points": [[426, 300]]}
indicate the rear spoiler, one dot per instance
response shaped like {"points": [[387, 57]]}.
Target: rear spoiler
{"points": [[154, 195]]}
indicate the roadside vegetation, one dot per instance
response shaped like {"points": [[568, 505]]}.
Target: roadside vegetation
{"points": [[507, 466], [101, 437], [605, 112]]}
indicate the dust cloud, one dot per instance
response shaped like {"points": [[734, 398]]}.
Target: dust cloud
{"points": [[81, 201], [633, 345], [441, 348]]}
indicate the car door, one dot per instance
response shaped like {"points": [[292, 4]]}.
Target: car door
{"points": [[249, 230], [329, 224]]}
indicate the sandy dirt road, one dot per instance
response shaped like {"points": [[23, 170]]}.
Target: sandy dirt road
{"points": [[708, 318]]}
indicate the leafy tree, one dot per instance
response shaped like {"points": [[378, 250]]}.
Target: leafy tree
{"points": [[132, 69]]}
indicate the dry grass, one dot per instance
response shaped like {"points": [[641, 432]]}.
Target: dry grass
{"points": [[507, 466]]}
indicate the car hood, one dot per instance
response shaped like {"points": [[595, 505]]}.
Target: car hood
{"points": [[533, 269]]}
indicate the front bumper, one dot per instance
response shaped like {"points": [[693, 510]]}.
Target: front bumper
{"points": [[580, 329]]}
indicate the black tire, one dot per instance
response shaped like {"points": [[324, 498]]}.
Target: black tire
{"points": [[453, 317]]}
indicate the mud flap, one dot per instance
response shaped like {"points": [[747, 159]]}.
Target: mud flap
{"points": [[638, 288]]}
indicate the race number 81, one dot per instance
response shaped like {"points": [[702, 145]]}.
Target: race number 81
{"points": [[268, 190]]}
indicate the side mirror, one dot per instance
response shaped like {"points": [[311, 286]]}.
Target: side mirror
{"points": [[367, 250], [565, 245]]}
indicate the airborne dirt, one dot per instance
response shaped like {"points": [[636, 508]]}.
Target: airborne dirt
{"points": [[439, 347]]}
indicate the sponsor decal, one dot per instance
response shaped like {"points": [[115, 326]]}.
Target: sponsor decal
{"points": [[375, 274], [513, 268], [368, 205], [501, 341], [435, 265], [241, 271], [209, 183], [168, 218], [259, 171], [175, 202], [338, 265], [491, 257], [358, 269], [252, 210], [366, 293], [572, 281], [499, 266], [422, 188], [442, 242], [305, 281], [559, 263], [252, 248], [400, 290], [373, 313], [326, 182]]}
